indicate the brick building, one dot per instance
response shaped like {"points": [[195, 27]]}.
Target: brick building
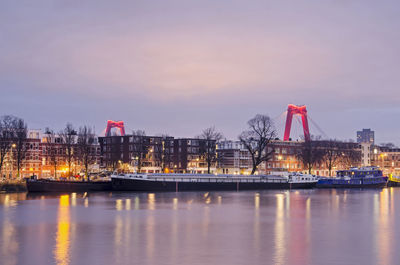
{"points": [[387, 158], [189, 156], [153, 154], [39, 156]]}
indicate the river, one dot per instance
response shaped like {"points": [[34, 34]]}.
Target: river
{"points": [[266, 227]]}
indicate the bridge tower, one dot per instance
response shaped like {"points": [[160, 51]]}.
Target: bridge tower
{"points": [[115, 124], [296, 110]]}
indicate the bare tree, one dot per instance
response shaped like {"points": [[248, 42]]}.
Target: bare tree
{"points": [[332, 154], [257, 138], [20, 135], [52, 149], [340, 153], [6, 138], [389, 145], [351, 155], [86, 149], [311, 153], [211, 137], [68, 135], [140, 147]]}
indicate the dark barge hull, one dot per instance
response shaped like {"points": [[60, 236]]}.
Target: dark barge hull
{"points": [[66, 186], [393, 184], [156, 186], [351, 186]]}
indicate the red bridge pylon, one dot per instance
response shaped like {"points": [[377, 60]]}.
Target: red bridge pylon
{"points": [[115, 124], [296, 110]]}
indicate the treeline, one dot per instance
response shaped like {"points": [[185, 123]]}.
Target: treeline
{"points": [[331, 153], [75, 145], [13, 133]]}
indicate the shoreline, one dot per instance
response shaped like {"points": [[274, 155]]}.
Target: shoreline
{"points": [[12, 186]]}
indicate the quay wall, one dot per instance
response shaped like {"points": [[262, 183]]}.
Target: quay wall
{"points": [[12, 186]]}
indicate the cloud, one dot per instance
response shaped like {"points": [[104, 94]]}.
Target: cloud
{"points": [[220, 63]]}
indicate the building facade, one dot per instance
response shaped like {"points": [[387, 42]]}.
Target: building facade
{"points": [[387, 158], [233, 158], [366, 136], [47, 157], [154, 154]]}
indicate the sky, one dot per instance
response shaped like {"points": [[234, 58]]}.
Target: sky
{"points": [[178, 66]]}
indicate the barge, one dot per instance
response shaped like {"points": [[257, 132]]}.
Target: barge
{"points": [[364, 177], [47, 185], [208, 182]]}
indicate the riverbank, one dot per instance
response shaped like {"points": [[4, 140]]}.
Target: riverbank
{"points": [[12, 186]]}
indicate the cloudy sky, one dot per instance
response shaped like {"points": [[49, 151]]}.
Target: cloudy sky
{"points": [[178, 66]]}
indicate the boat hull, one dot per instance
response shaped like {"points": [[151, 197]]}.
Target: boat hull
{"points": [[393, 183], [66, 186], [120, 184]]}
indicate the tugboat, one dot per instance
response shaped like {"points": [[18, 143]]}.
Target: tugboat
{"points": [[208, 182], [364, 177], [33, 184]]}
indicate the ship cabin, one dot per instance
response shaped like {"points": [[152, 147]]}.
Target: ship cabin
{"points": [[363, 172]]}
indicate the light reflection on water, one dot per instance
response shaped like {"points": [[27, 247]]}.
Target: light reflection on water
{"points": [[9, 245], [266, 227], [61, 252], [280, 244], [382, 226]]}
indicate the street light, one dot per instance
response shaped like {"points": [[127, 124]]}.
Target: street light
{"points": [[13, 145]]}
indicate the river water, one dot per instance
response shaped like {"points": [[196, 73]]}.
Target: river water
{"points": [[266, 227]]}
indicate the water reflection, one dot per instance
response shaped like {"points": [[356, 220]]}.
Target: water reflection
{"points": [[256, 230], [257, 201], [383, 229], [118, 205], [127, 204], [175, 204], [280, 244], [206, 220], [11, 199], [150, 236], [174, 231], [151, 201], [268, 227], [137, 201], [61, 252], [73, 199], [9, 246]]}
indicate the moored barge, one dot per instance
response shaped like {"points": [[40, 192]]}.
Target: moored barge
{"points": [[206, 182], [364, 177], [47, 185]]}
